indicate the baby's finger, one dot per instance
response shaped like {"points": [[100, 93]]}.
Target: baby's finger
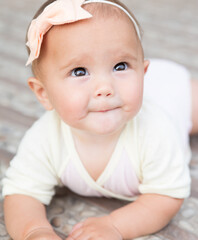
{"points": [[75, 234], [69, 238], [77, 226]]}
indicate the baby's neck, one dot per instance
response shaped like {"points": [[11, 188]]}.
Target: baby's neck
{"points": [[90, 139]]}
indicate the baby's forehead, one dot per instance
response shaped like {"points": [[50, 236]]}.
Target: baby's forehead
{"points": [[90, 38], [97, 25]]}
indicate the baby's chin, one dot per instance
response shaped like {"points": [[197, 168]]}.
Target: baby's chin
{"points": [[104, 125]]}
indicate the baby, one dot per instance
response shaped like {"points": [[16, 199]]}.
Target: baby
{"points": [[101, 136]]}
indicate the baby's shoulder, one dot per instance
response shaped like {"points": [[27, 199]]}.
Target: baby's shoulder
{"points": [[48, 121], [43, 129], [153, 122]]}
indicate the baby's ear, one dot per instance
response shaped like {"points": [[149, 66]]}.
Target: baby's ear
{"points": [[146, 65], [39, 90]]}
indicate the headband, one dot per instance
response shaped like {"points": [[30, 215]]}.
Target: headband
{"points": [[60, 12]]}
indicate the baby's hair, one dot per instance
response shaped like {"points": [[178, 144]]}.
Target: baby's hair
{"points": [[99, 9]]}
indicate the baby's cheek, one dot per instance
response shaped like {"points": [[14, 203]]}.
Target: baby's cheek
{"points": [[73, 111], [133, 104], [135, 97]]}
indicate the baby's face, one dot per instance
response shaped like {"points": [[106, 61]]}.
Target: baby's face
{"points": [[93, 73]]}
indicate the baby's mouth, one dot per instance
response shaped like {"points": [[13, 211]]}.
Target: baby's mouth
{"points": [[107, 109]]}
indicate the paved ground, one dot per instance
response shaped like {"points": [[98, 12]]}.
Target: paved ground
{"points": [[170, 31]]}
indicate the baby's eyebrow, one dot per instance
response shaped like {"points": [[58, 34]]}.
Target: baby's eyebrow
{"points": [[128, 56], [72, 62], [80, 61]]}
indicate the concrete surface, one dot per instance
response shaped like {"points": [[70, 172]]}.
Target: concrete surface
{"points": [[170, 31]]}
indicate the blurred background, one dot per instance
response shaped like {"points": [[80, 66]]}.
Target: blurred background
{"points": [[170, 31]]}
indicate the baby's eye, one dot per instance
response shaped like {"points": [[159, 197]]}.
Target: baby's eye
{"points": [[120, 66], [79, 72]]}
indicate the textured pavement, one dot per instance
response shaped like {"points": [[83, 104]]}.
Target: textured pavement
{"points": [[170, 31]]}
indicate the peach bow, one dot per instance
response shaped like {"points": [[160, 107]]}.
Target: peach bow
{"points": [[57, 13]]}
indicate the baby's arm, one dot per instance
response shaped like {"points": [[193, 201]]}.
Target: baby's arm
{"points": [[25, 219], [148, 214]]}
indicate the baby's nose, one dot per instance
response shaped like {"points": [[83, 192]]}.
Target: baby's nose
{"points": [[104, 91]]}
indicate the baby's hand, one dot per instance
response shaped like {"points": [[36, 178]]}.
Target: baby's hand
{"points": [[42, 234], [95, 228]]}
